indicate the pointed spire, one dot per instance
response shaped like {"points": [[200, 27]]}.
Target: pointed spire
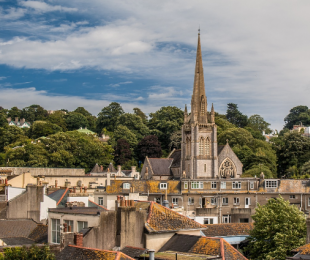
{"points": [[212, 114], [185, 110], [199, 100]]}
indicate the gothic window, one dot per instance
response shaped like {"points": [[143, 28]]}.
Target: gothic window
{"points": [[207, 146], [188, 147], [201, 142], [227, 169]]}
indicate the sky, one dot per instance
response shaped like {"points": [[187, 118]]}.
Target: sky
{"points": [[65, 54]]}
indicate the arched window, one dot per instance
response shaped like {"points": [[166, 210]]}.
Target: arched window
{"points": [[201, 142], [207, 146], [188, 146], [227, 169]]}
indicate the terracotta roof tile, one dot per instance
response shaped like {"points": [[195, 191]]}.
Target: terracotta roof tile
{"points": [[85, 253], [231, 229], [162, 219]]}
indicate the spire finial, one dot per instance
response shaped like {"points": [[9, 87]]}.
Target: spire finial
{"points": [[199, 30]]}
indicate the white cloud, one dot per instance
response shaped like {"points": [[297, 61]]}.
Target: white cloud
{"points": [[44, 7], [11, 13], [2, 78]]}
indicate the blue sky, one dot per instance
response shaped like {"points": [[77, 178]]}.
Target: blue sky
{"points": [[65, 54]]}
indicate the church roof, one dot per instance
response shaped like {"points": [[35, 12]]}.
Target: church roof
{"points": [[176, 156], [160, 166]]}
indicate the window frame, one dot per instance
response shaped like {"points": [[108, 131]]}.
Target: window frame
{"points": [[191, 201], [223, 185], [236, 201], [271, 184], [252, 185], [213, 201], [55, 228], [196, 185], [163, 185], [236, 185], [226, 199], [84, 224], [186, 185], [208, 220], [68, 221], [126, 185], [293, 196], [213, 185], [100, 201]]}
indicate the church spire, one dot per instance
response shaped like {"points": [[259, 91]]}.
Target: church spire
{"points": [[199, 99]]}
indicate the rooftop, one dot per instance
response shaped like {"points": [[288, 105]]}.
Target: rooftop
{"points": [[231, 229], [78, 210]]}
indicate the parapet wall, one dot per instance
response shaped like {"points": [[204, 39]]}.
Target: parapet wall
{"points": [[45, 171]]}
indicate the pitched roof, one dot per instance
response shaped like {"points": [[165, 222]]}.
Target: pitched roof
{"points": [[162, 219], [220, 148], [17, 241], [160, 166], [289, 185], [85, 253], [176, 156], [78, 210], [16, 228], [39, 234], [231, 229], [133, 251], [207, 246], [96, 169], [60, 196], [94, 204], [303, 250]]}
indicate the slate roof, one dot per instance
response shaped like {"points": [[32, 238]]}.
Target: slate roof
{"points": [[78, 210], [231, 229], [161, 219], [60, 196], [22, 231], [133, 251], [84, 253], [207, 246], [176, 156], [160, 166], [220, 148], [16, 228], [289, 186], [96, 169], [17, 241]]}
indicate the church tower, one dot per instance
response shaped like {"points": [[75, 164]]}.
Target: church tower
{"points": [[199, 132]]}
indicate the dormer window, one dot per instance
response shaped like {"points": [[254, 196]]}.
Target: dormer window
{"points": [[163, 186], [126, 186], [271, 184]]}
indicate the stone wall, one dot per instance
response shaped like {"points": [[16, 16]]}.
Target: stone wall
{"points": [[45, 171]]}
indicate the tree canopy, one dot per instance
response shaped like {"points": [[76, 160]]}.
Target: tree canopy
{"points": [[278, 228], [149, 146], [108, 117], [297, 115], [234, 116]]}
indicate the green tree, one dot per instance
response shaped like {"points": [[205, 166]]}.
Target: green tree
{"points": [[234, 116], [223, 124], [134, 123], [9, 134], [34, 113], [33, 253], [43, 128], [292, 149], [58, 118], [297, 115], [82, 111], [108, 117], [122, 132], [137, 111], [76, 120], [305, 169], [14, 112], [149, 146], [175, 140], [3, 120], [164, 122], [278, 228], [258, 123]]}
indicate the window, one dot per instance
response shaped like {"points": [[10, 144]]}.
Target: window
{"points": [[309, 201], [197, 185], [226, 219], [185, 185], [201, 146], [292, 197], [207, 221], [100, 200], [126, 186], [200, 202], [244, 220], [175, 201], [55, 230], [236, 185], [207, 146], [69, 223], [213, 201], [223, 185], [205, 167], [190, 201], [81, 225], [213, 185], [252, 185], [236, 201], [271, 184], [163, 186], [225, 201]]}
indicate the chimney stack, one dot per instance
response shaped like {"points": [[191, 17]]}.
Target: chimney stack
{"points": [[78, 239]]}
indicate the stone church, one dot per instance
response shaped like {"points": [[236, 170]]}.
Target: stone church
{"points": [[200, 155]]}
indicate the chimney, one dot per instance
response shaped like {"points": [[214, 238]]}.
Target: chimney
{"points": [[81, 189], [22, 121], [85, 189], [16, 119], [78, 239], [119, 169], [101, 168], [65, 227], [108, 179], [151, 254], [56, 183], [74, 189], [308, 230]]}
